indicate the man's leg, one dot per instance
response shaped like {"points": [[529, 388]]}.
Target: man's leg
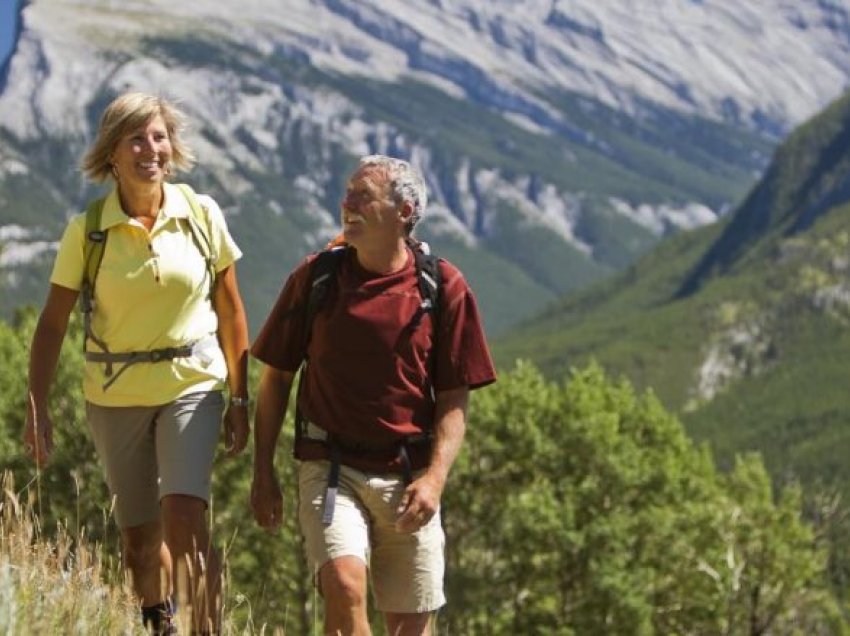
{"points": [[343, 584], [338, 552], [408, 624], [406, 568]]}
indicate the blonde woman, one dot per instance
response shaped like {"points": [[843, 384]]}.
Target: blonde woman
{"points": [[166, 333]]}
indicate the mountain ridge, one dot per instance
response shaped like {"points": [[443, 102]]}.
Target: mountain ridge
{"points": [[752, 358], [527, 172]]}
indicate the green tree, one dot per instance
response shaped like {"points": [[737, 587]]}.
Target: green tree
{"points": [[70, 490], [580, 508], [585, 509]]}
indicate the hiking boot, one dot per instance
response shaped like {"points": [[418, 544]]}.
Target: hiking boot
{"points": [[158, 620]]}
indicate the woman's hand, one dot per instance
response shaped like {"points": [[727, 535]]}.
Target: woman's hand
{"points": [[236, 429], [38, 435]]}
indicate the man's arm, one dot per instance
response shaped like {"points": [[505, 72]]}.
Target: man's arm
{"points": [[422, 497], [272, 400]]}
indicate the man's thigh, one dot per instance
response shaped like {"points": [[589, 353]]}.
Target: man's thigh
{"points": [[406, 569]]}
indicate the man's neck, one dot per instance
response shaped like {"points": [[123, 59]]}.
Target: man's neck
{"points": [[384, 259]]}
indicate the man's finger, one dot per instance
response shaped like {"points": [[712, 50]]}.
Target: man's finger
{"points": [[405, 501]]}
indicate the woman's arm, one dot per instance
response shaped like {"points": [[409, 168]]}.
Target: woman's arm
{"points": [[233, 336], [44, 356]]}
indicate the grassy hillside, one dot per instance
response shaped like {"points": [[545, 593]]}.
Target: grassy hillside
{"points": [[741, 327]]}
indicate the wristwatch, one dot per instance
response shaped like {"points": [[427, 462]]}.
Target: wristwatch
{"points": [[236, 400]]}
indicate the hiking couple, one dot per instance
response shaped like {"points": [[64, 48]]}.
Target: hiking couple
{"points": [[390, 342]]}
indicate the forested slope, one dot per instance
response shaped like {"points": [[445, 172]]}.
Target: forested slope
{"points": [[576, 507]]}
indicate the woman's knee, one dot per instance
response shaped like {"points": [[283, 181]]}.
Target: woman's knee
{"points": [[183, 511], [184, 521], [142, 543]]}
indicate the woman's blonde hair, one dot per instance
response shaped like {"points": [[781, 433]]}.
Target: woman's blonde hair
{"points": [[125, 114]]}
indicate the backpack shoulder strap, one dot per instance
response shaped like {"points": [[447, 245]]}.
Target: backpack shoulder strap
{"points": [[430, 282], [322, 276], [94, 246], [95, 242], [199, 226]]}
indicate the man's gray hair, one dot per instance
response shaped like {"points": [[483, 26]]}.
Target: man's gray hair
{"points": [[405, 182]]}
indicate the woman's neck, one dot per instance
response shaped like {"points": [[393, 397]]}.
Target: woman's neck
{"points": [[141, 202]]}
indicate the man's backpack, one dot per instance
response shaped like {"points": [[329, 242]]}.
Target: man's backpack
{"points": [[323, 275], [93, 250]]}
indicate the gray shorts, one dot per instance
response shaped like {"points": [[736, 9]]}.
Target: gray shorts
{"points": [[148, 452], [406, 569]]}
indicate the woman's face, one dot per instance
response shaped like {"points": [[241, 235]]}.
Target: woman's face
{"points": [[143, 155]]}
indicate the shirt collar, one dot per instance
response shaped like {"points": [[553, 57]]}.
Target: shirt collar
{"points": [[176, 206]]}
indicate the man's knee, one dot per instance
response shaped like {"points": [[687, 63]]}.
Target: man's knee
{"points": [[342, 582], [408, 624]]}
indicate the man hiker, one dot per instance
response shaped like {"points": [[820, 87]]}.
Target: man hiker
{"points": [[391, 343]]}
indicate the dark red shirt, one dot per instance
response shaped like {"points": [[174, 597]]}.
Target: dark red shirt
{"points": [[368, 375]]}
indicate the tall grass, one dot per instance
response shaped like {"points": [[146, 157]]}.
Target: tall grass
{"points": [[56, 581], [56, 584]]}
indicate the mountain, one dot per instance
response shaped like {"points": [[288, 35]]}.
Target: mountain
{"points": [[742, 326], [560, 140]]}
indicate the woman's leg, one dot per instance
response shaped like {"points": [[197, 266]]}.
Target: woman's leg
{"points": [[196, 564], [124, 439], [187, 433], [147, 559]]}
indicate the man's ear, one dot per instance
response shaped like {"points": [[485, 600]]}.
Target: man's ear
{"points": [[405, 211]]}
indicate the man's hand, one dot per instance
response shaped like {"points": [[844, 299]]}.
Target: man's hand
{"points": [[38, 436], [236, 429], [419, 503], [267, 501]]}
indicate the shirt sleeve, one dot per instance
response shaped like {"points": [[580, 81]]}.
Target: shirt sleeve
{"points": [[280, 343], [463, 357], [68, 266], [223, 245]]}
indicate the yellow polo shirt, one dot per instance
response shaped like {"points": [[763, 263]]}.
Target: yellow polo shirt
{"points": [[152, 291]]}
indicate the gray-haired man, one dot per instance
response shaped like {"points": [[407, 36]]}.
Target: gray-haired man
{"points": [[382, 406]]}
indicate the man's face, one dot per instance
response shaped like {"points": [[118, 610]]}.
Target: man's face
{"points": [[369, 212]]}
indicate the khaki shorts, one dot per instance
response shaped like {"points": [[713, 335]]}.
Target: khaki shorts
{"points": [[148, 452], [406, 569]]}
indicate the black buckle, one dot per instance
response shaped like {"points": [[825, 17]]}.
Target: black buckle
{"points": [[157, 355]]}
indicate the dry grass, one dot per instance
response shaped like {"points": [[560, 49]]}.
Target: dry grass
{"points": [[57, 584]]}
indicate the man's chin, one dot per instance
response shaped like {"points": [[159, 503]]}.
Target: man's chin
{"points": [[352, 236]]}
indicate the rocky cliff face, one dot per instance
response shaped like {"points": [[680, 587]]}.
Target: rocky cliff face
{"points": [[559, 139]]}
